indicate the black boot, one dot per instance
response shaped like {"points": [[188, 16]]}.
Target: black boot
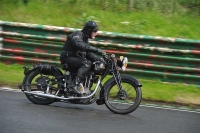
{"points": [[77, 85], [74, 87]]}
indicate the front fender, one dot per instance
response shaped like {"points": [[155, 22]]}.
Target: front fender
{"points": [[137, 82], [124, 75]]}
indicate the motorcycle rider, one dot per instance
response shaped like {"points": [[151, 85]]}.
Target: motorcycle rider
{"points": [[79, 55]]}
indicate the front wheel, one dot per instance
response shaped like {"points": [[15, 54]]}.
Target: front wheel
{"points": [[126, 100]]}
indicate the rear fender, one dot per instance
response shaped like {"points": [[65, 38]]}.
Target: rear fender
{"points": [[38, 67], [27, 72]]}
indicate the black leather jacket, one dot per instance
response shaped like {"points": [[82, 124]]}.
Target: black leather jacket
{"points": [[77, 44]]}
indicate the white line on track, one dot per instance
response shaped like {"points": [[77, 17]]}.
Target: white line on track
{"points": [[9, 89], [172, 108]]}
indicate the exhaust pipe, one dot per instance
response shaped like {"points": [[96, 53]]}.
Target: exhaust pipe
{"points": [[62, 98]]}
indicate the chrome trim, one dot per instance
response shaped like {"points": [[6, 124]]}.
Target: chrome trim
{"points": [[64, 98]]}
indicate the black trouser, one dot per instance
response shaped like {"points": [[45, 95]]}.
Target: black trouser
{"points": [[77, 63]]}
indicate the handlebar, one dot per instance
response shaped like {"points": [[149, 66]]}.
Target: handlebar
{"points": [[106, 57]]}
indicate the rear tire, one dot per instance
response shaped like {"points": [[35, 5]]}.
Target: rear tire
{"points": [[33, 78], [126, 101]]}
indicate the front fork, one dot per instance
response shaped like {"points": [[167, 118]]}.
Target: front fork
{"points": [[122, 94], [117, 78]]}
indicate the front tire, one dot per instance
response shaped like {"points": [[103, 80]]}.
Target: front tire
{"points": [[125, 101]]}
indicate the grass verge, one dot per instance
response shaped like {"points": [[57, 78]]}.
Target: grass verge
{"points": [[110, 18], [153, 91]]}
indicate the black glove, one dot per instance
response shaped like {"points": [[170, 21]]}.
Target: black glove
{"points": [[101, 52], [101, 60], [98, 50]]}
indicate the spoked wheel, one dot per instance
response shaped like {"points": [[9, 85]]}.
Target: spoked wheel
{"points": [[40, 83], [126, 100]]}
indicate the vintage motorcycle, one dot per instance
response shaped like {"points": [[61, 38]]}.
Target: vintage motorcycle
{"points": [[121, 93]]}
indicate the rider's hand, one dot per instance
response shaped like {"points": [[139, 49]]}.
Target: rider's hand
{"points": [[101, 52], [101, 60]]}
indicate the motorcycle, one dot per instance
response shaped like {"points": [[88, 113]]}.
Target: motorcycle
{"points": [[121, 93]]}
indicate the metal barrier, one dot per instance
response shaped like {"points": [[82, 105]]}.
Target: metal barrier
{"points": [[157, 58]]}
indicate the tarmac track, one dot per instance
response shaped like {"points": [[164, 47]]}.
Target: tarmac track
{"points": [[19, 115]]}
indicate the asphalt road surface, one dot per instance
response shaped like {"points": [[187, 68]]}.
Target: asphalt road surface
{"points": [[19, 115]]}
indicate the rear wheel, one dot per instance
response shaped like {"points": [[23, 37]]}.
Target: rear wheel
{"points": [[39, 83], [126, 100]]}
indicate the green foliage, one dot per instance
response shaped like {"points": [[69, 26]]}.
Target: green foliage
{"points": [[84, 19], [170, 92], [11, 75], [146, 17]]}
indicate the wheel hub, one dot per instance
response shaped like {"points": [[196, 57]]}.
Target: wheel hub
{"points": [[41, 83], [122, 95]]}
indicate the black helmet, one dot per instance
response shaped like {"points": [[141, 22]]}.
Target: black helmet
{"points": [[89, 27]]}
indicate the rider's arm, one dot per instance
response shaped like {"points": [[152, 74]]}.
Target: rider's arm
{"points": [[77, 40], [91, 56]]}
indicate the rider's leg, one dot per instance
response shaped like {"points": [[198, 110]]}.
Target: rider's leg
{"points": [[82, 72], [79, 64]]}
